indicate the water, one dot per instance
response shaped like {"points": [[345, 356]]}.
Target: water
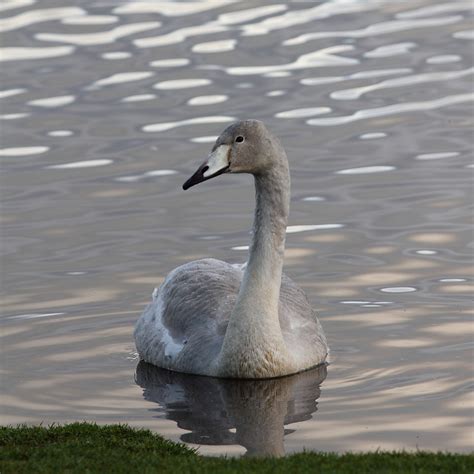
{"points": [[107, 108]]}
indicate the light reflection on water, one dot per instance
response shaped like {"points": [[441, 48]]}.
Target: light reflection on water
{"points": [[107, 109]]}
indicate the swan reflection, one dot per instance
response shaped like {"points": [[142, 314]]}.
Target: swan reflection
{"points": [[250, 413]]}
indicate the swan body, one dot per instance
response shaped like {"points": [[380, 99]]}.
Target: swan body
{"points": [[238, 321]]}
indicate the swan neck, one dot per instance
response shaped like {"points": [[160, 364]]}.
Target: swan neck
{"points": [[253, 345], [264, 268], [260, 289]]}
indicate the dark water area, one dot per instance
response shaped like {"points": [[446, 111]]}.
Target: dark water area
{"points": [[106, 108]]}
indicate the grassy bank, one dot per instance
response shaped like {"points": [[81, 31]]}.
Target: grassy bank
{"points": [[83, 447]]}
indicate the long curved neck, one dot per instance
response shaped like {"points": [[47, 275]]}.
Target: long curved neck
{"points": [[253, 344], [262, 278]]}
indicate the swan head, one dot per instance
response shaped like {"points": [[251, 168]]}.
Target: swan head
{"points": [[243, 147]]}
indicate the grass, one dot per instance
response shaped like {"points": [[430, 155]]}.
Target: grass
{"points": [[88, 448]]}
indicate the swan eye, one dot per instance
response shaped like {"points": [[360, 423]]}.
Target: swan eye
{"points": [[239, 139]]}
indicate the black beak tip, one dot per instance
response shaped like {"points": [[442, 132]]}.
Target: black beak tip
{"points": [[194, 179], [198, 176]]}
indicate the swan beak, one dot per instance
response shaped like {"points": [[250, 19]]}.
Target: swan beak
{"points": [[217, 163]]}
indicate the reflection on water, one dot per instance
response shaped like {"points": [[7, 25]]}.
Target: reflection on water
{"points": [[250, 413], [105, 109]]}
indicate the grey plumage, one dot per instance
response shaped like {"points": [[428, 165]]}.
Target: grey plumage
{"points": [[213, 318]]}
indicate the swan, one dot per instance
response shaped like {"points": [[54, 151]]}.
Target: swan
{"points": [[237, 321]]}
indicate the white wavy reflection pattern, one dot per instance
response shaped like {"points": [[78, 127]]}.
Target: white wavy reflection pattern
{"points": [[393, 110], [25, 19], [22, 53], [356, 93], [107, 37], [383, 28], [163, 127], [323, 58]]}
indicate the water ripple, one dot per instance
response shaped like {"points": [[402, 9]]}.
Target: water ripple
{"points": [[51, 102], [14, 116], [305, 112], [322, 58], [437, 155], [294, 229], [205, 139], [90, 20], [207, 99], [23, 151], [81, 164], [314, 198], [60, 133], [34, 315], [162, 127], [242, 16], [172, 62], [426, 252], [123, 77], [169, 8], [366, 170], [316, 81], [390, 50], [147, 174], [114, 55], [398, 289], [276, 93], [21, 53], [306, 15], [240, 247], [384, 28], [12, 4], [444, 59], [452, 280], [436, 9], [103, 37], [393, 109], [11, 92], [468, 34], [372, 135], [182, 84], [215, 46], [357, 92], [179, 35], [37, 16], [139, 98]]}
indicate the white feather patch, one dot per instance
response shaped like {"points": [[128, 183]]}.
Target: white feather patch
{"points": [[218, 160]]}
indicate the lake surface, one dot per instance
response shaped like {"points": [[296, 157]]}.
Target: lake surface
{"points": [[108, 107]]}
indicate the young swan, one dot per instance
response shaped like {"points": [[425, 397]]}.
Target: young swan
{"points": [[241, 321]]}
